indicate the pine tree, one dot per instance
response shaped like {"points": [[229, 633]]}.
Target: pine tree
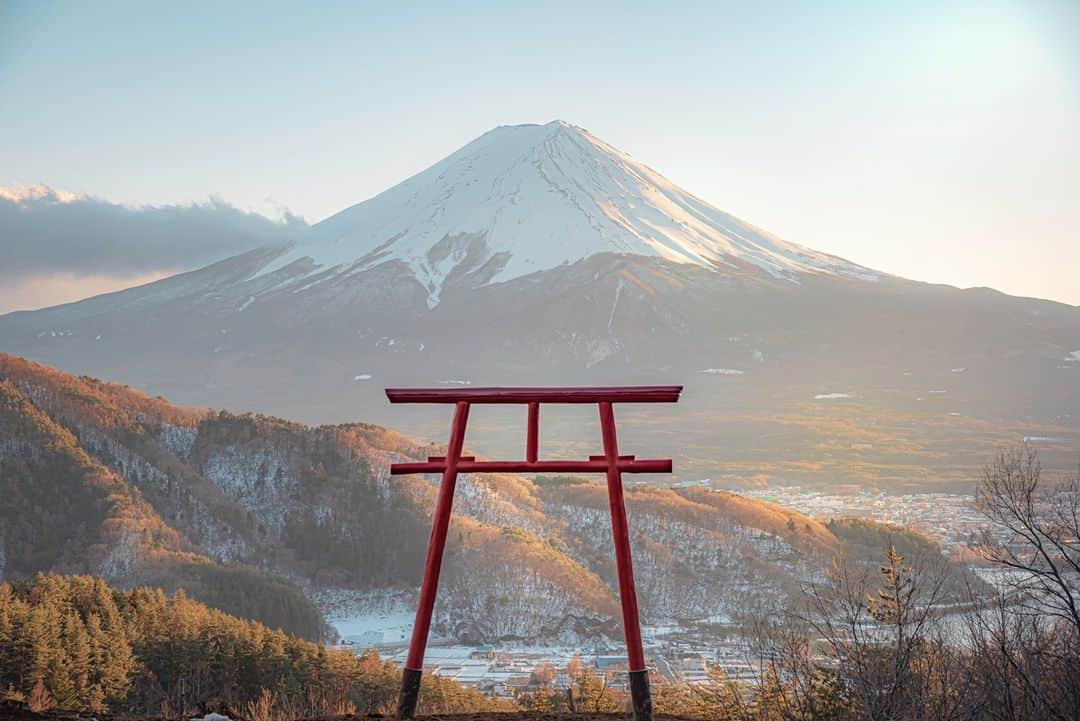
{"points": [[893, 599], [39, 699]]}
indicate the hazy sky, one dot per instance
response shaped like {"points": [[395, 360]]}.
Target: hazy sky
{"points": [[935, 140]]}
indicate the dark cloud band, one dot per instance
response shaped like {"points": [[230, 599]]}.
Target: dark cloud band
{"points": [[45, 232]]}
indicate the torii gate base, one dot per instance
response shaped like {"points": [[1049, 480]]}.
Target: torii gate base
{"points": [[610, 463]]}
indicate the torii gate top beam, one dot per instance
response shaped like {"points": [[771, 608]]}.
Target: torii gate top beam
{"points": [[597, 394]]}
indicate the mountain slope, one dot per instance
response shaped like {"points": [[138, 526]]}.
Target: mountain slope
{"points": [[154, 493], [65, 511], [540, 254], [145, 492], [697, 554]]}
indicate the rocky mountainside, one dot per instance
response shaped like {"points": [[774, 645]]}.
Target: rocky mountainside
{"points": [[249, 509], [540, 254], [69, 506]]}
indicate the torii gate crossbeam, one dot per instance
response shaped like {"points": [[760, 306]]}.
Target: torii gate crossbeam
{"points": [[610, 463]]}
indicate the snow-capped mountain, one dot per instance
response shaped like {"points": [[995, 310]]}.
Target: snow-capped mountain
{"points": [[526, 198], [539, 254]]}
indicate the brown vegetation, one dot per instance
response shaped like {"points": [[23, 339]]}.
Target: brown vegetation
{"points": [[71, 642]]}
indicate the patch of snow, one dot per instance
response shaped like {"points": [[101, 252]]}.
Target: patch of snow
{"points": [[832, 396], [246, 303], [614, 305], [1042, 439], [1073, 357], [455, 382], [212, 716], [937, 392], [721, 371], [958, 370], [362, 377], [179, 439], [97, 338]]}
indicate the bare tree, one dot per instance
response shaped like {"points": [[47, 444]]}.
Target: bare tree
{"points": [[876, 630], [1026, 646], [793, 684], [1041, 525]]}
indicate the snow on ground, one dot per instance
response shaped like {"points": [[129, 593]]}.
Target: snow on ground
{"points": [[1073, 357], [832, 396], [718, 618], [653, 632], [455, 382], [362, 377], [722, 371], [471, 664], [377, 628], [958, 370]]}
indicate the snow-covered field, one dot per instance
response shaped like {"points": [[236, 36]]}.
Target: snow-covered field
{"points": [[377, 628]]}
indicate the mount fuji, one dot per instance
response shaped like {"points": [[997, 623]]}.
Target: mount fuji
{"points": [[529, 198], [539, 254]]}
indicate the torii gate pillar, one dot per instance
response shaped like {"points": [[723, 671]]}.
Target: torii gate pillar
{"points": [[610, 463]]}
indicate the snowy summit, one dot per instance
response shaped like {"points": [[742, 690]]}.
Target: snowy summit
{"points": [[526, 198]]}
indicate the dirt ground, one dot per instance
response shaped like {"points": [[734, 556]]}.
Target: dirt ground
{"points": [[10, 712], [512, 716]]}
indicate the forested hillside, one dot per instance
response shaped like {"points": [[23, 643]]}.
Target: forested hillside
{"points": [[255, 515], [72, 642], [696, 553]]}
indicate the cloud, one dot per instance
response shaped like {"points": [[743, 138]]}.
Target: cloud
{"points": [[46, 233]]}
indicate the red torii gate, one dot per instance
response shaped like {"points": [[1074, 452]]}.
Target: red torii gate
{"points": [[611, 463]]}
